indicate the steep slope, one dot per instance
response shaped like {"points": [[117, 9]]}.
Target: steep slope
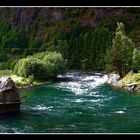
{"points": [[41, 18]]}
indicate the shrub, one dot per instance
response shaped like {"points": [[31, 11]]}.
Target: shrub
{"points": [[27, 67], [12, 64], [41, 66]]}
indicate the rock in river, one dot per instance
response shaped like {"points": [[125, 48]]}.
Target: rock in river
{"points": [[9, 97]]}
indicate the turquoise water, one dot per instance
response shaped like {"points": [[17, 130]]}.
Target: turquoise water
{"points": [[84, 105]]}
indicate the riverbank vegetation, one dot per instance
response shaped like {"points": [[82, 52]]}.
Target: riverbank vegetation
{"points": [[89, 39], [41, 66], [131, 78], [119, 56], [22, 82], [123, 57]]}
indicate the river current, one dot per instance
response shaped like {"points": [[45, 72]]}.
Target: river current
{"points": [[81, 104]]}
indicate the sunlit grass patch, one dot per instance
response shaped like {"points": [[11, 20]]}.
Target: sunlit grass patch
{"points": [[5, 72], [131, 78]]}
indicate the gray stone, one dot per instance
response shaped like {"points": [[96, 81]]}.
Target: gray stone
{"points": [[9, 97], [113, 78]]}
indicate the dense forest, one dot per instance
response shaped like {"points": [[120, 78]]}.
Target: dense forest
{"points": [[85, 37]]}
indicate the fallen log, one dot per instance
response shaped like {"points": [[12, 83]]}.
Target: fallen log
{"points": [[131, 86]]}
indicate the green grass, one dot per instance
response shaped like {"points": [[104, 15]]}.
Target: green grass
{"points": [[5, 72], [131, 78], [21, 82]]}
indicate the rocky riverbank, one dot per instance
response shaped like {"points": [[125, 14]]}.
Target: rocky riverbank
{"points": [[130, 82]]}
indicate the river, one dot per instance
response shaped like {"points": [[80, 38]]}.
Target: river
{"points": [[82, 104]]}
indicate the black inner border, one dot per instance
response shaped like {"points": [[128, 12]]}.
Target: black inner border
{"points": [[69, 3]]}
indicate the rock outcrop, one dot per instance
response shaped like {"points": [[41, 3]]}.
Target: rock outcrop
{"points": [[113, 79], [9, 97]]}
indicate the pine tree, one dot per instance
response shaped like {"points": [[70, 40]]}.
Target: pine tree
{"points": [[120, 54]]}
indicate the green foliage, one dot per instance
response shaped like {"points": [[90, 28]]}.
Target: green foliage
{"points": [[15, 38], [12, 64], [41, 66], [61, 47], [28, 67], [87, 48], [84, 46], [136, 59], [109, 23], [34, 46], [31, 79], [3, 56], [131, 78], [35, 43], [119, 56], [55, 40], [52, 36], [5, 65]]}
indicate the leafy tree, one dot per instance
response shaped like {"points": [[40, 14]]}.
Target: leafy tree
{"points": [[120, 54]]}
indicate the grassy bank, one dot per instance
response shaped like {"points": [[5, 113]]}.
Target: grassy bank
{"points": [[131, 78], [5, 72], [21, 82]]}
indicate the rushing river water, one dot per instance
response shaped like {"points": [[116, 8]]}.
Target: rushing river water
{"points": [[83, 104]]}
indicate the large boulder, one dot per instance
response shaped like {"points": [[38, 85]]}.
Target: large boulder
{"points": [[9, 97]]}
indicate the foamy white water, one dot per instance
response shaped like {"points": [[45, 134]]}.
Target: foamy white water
{"points": [[120, 112], [81, 83], [42, 107]]}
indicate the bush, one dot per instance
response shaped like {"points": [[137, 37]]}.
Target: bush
{"points": [[12, 64], [27, 67], [41, 66]]}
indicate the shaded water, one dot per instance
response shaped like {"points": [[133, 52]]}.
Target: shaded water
{"points": [[85, 104]]}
